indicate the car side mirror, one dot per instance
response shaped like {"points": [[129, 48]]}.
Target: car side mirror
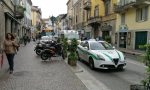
{"points": [[86, 48]]}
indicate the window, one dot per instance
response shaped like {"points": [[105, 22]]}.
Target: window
{"points": [[86, 45], [100, 46], [107, 8], [123, 19], [142, 14], [96, 11]]}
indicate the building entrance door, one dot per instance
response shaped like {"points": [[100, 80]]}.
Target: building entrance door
{"points": [[105, 34], [122, 39], [140, 39]]}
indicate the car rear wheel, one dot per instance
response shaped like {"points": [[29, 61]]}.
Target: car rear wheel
{"points": [[91, 64]]}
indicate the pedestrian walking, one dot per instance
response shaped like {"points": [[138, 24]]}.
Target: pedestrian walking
{"points": [[10, 50], [25, 39]]}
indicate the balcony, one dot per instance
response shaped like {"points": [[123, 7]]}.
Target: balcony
{"points": [[123, 5], [19, 12], [94, 20], [87, 5]]}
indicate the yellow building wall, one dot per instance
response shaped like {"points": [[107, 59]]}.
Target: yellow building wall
{"points": [[130, 20], [100, 3], [34, 15], [112, 5]]}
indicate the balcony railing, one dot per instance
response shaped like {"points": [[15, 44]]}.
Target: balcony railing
{"points": [[93, 20], [87, 5], [19, 12], [123, 5]]}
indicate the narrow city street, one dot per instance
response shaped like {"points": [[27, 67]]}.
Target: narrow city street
{"points": [[32, 74], [119, 80]]}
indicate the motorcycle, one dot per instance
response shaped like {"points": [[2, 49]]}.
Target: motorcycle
{"points": [[53, 51], [39, 47]]}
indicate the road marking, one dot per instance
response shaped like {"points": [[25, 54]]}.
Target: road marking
{"points": [[90, 81]]}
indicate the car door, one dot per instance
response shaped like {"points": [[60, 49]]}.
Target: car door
{"points": [[86, 51], [81, 50]]}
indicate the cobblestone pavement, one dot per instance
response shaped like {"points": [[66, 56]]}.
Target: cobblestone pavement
{"points": [[33, 74]]}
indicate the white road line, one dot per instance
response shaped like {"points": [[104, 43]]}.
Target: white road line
{"points": [[90, 81]]}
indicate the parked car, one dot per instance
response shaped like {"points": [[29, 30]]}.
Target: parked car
{"points": [[45, 39], [70, 34], [100, 54]]}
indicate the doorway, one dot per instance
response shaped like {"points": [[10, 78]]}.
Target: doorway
{"points": [[122, 39]]}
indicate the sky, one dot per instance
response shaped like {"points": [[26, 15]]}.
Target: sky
{"points": [[51, 7]]}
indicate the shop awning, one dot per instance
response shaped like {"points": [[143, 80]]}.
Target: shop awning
{"points": [[12, 17]]}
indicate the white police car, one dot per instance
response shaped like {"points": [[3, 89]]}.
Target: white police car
{"points": [[100, 54]]}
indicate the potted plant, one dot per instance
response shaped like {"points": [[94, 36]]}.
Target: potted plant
{"points": [[146, 59], [72, 57], [65, 46]]}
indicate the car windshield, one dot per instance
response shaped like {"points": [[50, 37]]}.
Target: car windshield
{"points": [[100, 46]]}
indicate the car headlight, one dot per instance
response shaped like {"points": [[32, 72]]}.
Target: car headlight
{"points": [[101, 57]]}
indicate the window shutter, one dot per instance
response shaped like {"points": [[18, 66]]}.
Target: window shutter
{"points": [[146, 13], [137, 16]]}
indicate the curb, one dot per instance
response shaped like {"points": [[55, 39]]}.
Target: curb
{"points": [[131, 52], [89, 81]]}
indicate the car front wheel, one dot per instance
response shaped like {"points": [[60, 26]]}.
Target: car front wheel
{"points": [[91, 64]]}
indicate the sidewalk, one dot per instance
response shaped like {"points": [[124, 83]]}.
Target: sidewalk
{"points": [[33, 74]]}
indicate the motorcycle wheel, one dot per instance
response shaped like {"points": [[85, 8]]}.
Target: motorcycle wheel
{"points": [[38, 52], [44, 56]]}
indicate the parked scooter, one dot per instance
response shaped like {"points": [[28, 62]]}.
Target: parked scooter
{"points": [[39, 47], [53, 51]]}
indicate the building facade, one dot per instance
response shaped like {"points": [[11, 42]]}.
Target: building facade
{"points": [[36, 20], [108, 25], [12, 12], [64, 23], [26, 29], [70, 14], [133, 23], [94, 12]]}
